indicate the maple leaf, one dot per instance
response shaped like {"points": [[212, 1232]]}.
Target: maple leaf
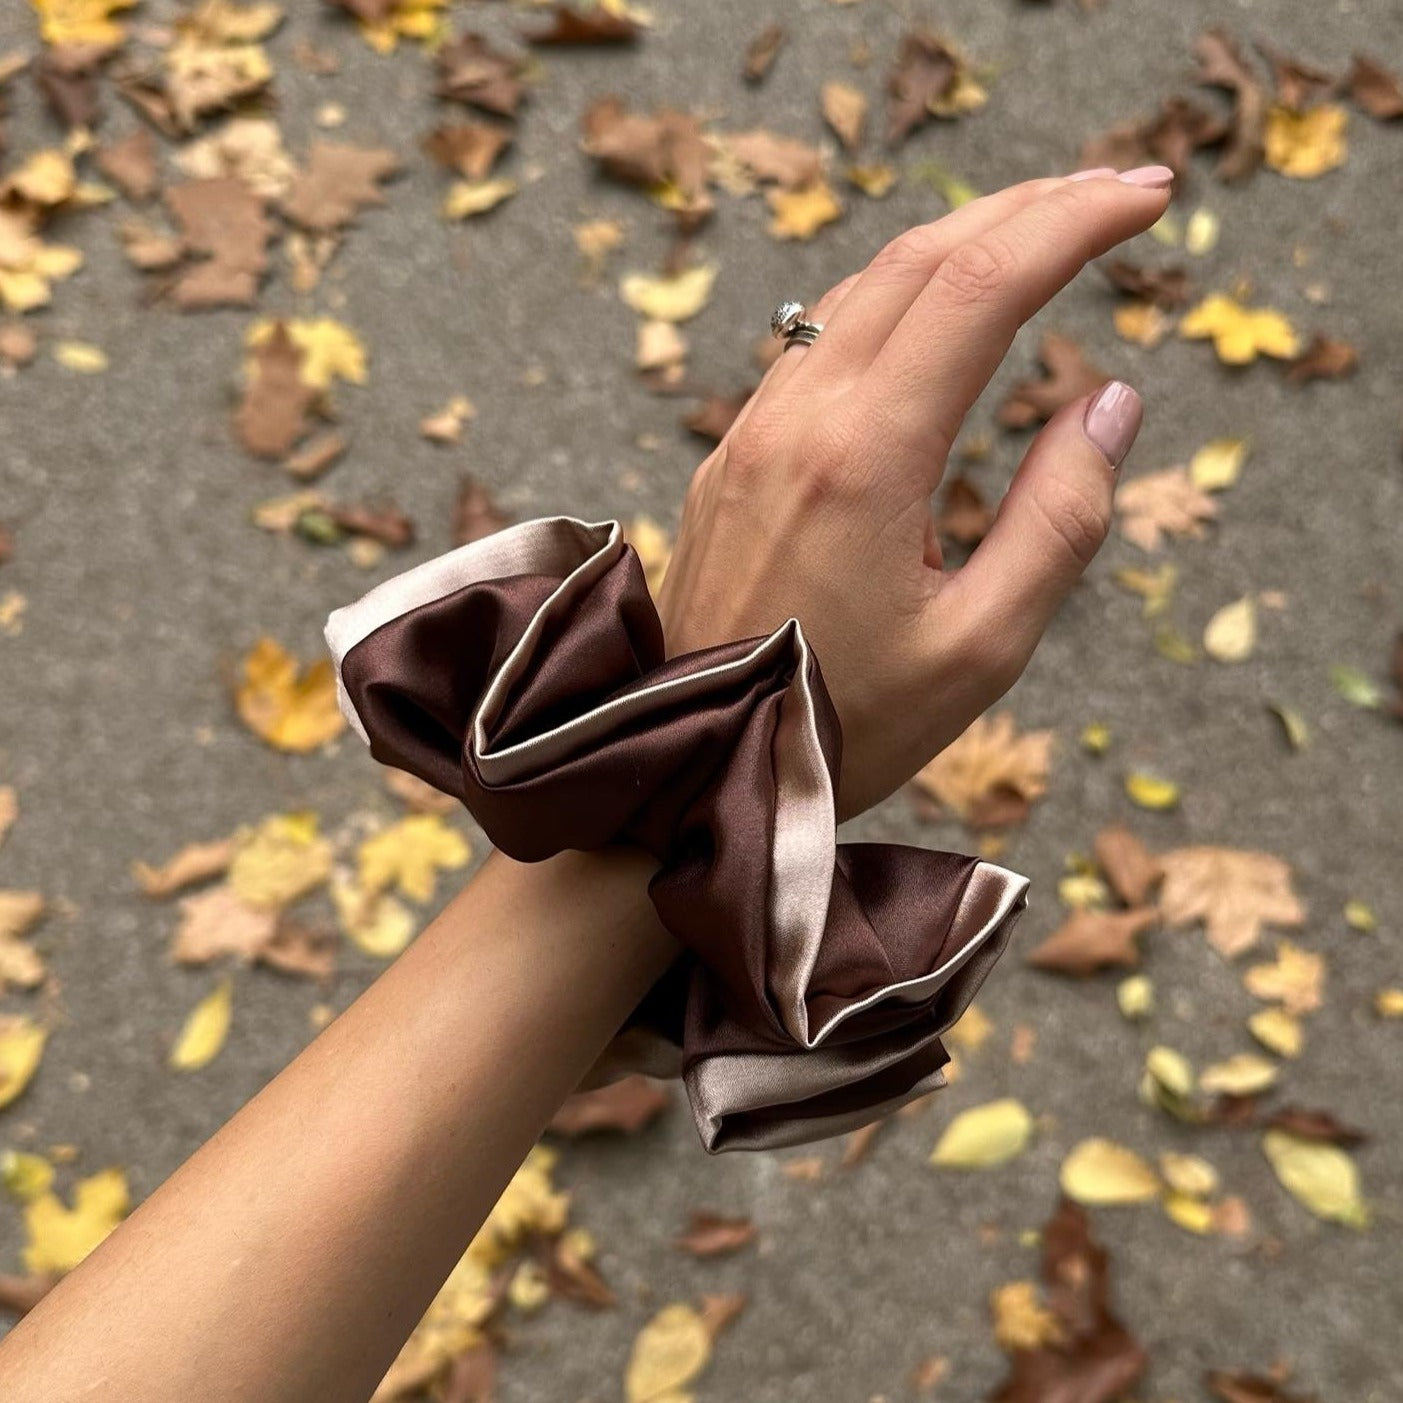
{"points": [[59, 1236], [801, 213], [28, 266], [272, 415], [1166, 503], [63, 22], [1294, 980], [223, 221], [1239, 333], [409, 856], [930, 79], [336, 183], [1234, 893], [989, 775], [470, 148], [472, 72], [1088, 941], [291, 710], [219, 922], [1305, 145], [1130, 867], [1069, 376], [475, 514], [1222, 66], [204, 75]]}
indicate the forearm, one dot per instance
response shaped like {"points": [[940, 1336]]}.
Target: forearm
{"points": [[292, 1255]]}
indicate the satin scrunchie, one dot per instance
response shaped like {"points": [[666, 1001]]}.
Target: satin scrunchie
{"points": [[526, 675]]}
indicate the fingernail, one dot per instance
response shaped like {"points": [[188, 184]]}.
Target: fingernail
{"points": [[1092, 173], [1151, 177], [1113, 419]]}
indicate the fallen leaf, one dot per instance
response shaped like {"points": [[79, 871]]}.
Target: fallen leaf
{"points": [[1165, 503], [1305, 145], [1295, 979], [670, 1351], [1249, 1388], [223, 222], [600, 24], [1099, 1171], [1130, 867], [196, 862], [1231, 634], [1359, 915], [1239, 334], [59, 1236], [626, 1105], [930, 79], [330, 350], [1319, 1175], [466, 198], [801, 213], [1356, 687], [984, 1136], [218, 922], [292, 709], [1153, 792], [1135, 997], [472, 72], [1233, 892], [21, 1047], [1021, 1321], [279, 861], [205, 1030], [68, 77], [1093, 940], [1324, 358], [669, 298], [64, 22], [1165, 288], [1069, 376], [1315, 1125], [714, 416], [130, 164], [249, 149], [1375, 89], [991, 774], [964, 516], [475, 514], [1246, 1074], [1222, 66], [710, 1235], [272, 415], [29, 266], [1278, 1030], [844, 108], [1218, 464], [761, 52], [409, 855]]}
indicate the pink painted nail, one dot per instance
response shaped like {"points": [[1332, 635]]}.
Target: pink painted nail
{"points": [[1113, 419], [1151, 177], [1092, 173]]}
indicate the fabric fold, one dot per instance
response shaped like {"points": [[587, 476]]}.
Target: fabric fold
{"points": [[526, 674]]}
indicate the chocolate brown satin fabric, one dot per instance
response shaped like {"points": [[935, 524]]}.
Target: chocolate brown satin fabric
{"points": [[531, 682]]}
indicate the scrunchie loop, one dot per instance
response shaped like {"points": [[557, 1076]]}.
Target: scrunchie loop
{"points": [[526, 674]]}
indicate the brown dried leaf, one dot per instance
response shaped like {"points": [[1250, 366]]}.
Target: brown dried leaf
{"points": [[1069, 376], [719, 1312], [714, 415], [317, 456], [475, 514], [592, 26], [780, 160], [272, 416], [67, 76], [1250, 1388], [964, 516], [1315, 1125], [1297, 85], [1165, 503], [1234, 893], [926, 75], [1169, 137], [223, 221], [469, 148], [130, 164], [1166, 288], [1375, 89], [1130, 867], [710, 1235], [1089, 940], [472, 72], [472, 1376], [1221, 65], [1324, 358], [667, 149], [626, 1105], [761, 52], [384, 523], [196, 862], [216, 922], [977, 774], [1096, 1360], [336, 183]]}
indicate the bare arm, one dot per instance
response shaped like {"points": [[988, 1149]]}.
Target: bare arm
{"points": [[289, 1259]]}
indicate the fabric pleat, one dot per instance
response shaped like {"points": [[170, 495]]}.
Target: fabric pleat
{"points": [[526, 674]]}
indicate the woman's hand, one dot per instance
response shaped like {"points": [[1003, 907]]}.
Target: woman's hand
{"points": [[816, 504]]}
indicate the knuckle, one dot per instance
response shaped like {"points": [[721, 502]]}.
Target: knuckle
{"points": [[827, 466], [979, 271], [1076, 523], [913, 252]]}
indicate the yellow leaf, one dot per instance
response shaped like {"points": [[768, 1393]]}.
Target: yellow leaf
{"points": [[1306, 144], [1141, 323], [876, 181], [21, 1047], [670, 1351], [59, 1236], [1320, 1175], [677, 298], [26, 1176], [28, 265], [1201, 232], [330, 350], [1295, 980], [1021, 1321], [1218, 464], [1239, 333], [1135, 996], [1232, 632], [1191, 1214], [409, 855], [63, 22], [1096, 738], [800, 214], [468, 197], [81, 357], [1151, 792], [1155, 587], [422, 20], [379, 925], [1359, 916], [1168, 1083], [1243, 1075], [1099, 1171], [280, 860], [1188, 1174], [1278, 1030], [290, 712], [205, 1029], [985, 1136], [1388, 1003]]}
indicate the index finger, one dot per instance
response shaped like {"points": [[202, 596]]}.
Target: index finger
{"points": [[944, 350]]}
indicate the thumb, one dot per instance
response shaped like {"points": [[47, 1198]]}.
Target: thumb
{"points": [[1053, 520]]}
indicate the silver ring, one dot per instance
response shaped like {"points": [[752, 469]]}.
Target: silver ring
{"points": [[788, 323]]}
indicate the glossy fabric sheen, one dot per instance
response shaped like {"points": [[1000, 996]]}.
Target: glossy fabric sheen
{"points": [[526, 675]]}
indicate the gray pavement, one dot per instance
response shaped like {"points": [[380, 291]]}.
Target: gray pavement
{"points": [[145, 582]]}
